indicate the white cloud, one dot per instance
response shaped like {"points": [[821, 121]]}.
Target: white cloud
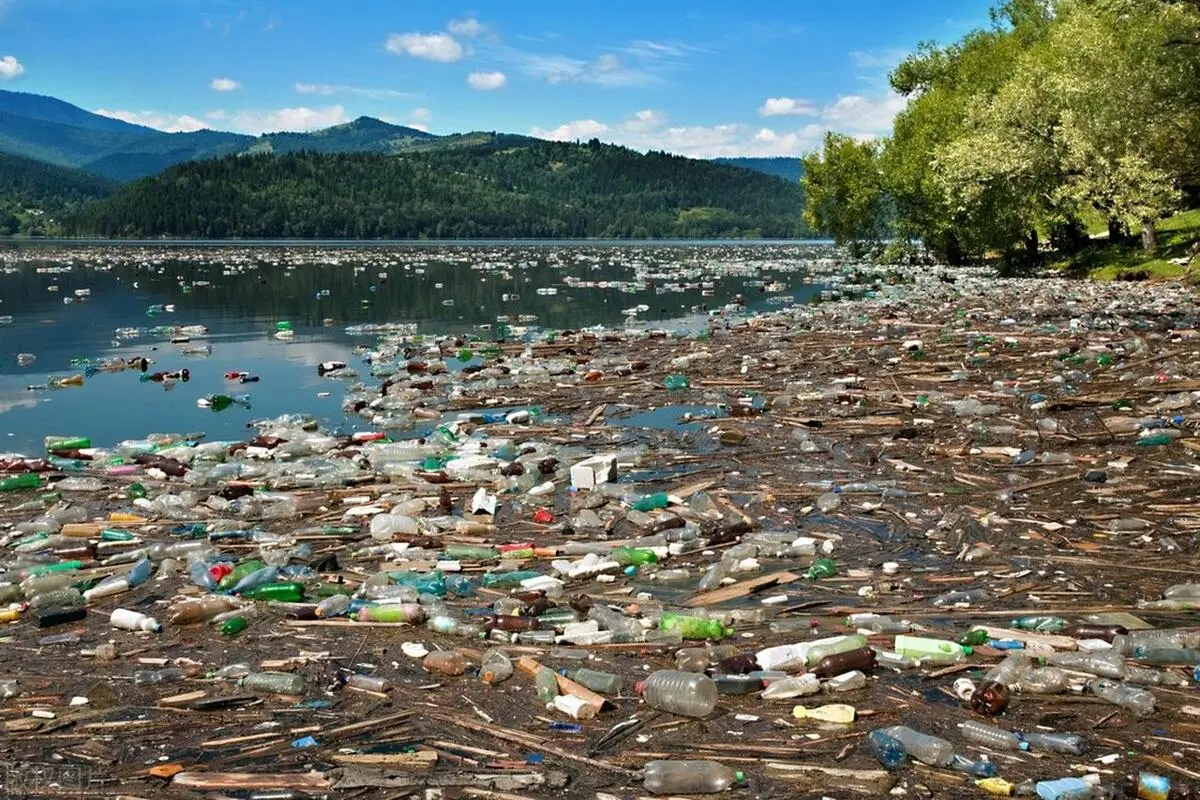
{"points": [[607, 70], [786, 107], [10, 68], [486, 81], [288, 119], [420, 126], [360, 91], [645, 120], [857, 114], [224, 85], [420, 114], [467, 28], [570, 131], [440, 47], [171, 123]]}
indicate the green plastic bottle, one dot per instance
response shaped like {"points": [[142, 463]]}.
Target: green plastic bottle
{"points": [[68, 442], [233, 626], [395, 612], [135, 491], [17, 483], [974, 638], [1040, 624], [116, 535], [424, 582], [690, 627], [1154, 440], [240, 571], [470, 552], [509, 578], [651, 502], [284, 592], [637, 556], [821, 568]]}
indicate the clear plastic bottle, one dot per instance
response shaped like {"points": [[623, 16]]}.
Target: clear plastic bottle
{"points": [[495, 667], [167, 675], [595, 680], [333, 606], [199, 609], [273, 683], [990, 736], [924, 748], [689, 777], [1067, 743], [1139, 701], [798, 686], [887, 749], [832, 646], [370, 683], [625, 629], [1106, 663], [688, 694], [992, 695], [847, 682], [1043, 680]]}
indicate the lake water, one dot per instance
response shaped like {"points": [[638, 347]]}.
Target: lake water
{"points": [[102, 302]]}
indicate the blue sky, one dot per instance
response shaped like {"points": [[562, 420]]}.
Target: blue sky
{"points": [[703, 77]]}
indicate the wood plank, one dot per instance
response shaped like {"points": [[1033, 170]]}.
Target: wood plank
{"points": [[743, 588], [419, 761], [207, 781]]}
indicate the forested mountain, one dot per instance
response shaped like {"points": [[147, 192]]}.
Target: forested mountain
{"points": [[547, 189], [33, 194], [790, 169], [51, 130]]}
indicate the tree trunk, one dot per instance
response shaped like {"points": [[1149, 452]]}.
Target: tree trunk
{"points": [[1116, 230], [954, 252], [1031, 247], [1149, 236]]}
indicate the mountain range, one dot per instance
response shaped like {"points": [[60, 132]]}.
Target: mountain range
{"points": [[57, 158]]}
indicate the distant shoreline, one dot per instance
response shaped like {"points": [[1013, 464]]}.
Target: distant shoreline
{"points": [[50, 242]]}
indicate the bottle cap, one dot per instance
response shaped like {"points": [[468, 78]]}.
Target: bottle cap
{"points": [[639, 687], [739, 776], [968, 649]]}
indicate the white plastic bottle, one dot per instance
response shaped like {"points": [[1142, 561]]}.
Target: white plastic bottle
{"points": [[129, 620]]}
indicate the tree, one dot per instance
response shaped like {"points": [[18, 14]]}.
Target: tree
{"points": [[844, 193]]}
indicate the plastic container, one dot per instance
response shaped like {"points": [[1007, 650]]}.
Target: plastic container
{"points": [[924, 748], [798, 686], [687, 694], [990, 736], [688, 777], [1139, 701], [495, 667], [930, 651], [128, 620], [887, 749], [273, 683], [595, 680]]}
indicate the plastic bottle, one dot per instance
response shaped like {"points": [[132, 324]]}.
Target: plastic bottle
{"points": [[149, 676], [411, 613], [992, 695], [18, 483], [625, 629], [283, 592], [1066, 743], [931, 651], [199, 609], [1167, 656], [688, 694], [836, 713], [1105, 663], [924, 748], [1039, 624], [990, 736], [1149, 786], [604, 682], [1139, 701], [797, 686], [861, 659], [495, 667], [56, 598], [688, 777], [1043, 680], [1094, 631], [652, 501], [847, 682], [129, 620], [977, 769], [887, 749], [368, 683], [273, 683], [1064, 789], [828, 647], [692, 627], [821, 568], [445, 663], [636, 556], [333, 606]]}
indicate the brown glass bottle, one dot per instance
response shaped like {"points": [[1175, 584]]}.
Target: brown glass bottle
{"points": [[510, 623], [990, 698]]}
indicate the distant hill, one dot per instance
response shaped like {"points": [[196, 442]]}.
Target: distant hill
{"points": [[491, 188], [34, 194], [790, 169], [57, 132]]}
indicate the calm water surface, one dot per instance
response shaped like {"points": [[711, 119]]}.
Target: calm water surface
{"points": [[99, 302]]}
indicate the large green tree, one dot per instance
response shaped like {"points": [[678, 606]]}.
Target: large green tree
{"points": [[844, 191]]}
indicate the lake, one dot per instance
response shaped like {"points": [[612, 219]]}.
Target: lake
{"points": [[90, 303]]}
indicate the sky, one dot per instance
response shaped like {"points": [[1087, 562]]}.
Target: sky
{"points": [[702, 78]]}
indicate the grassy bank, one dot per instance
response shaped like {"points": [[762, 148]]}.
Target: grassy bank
{"points": [[1177, 235]]}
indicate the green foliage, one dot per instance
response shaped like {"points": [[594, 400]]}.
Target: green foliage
{"points": [[34, 194], [1178, 239], [1063, 111], [790, 169], [844, 190], [492, 190]]}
